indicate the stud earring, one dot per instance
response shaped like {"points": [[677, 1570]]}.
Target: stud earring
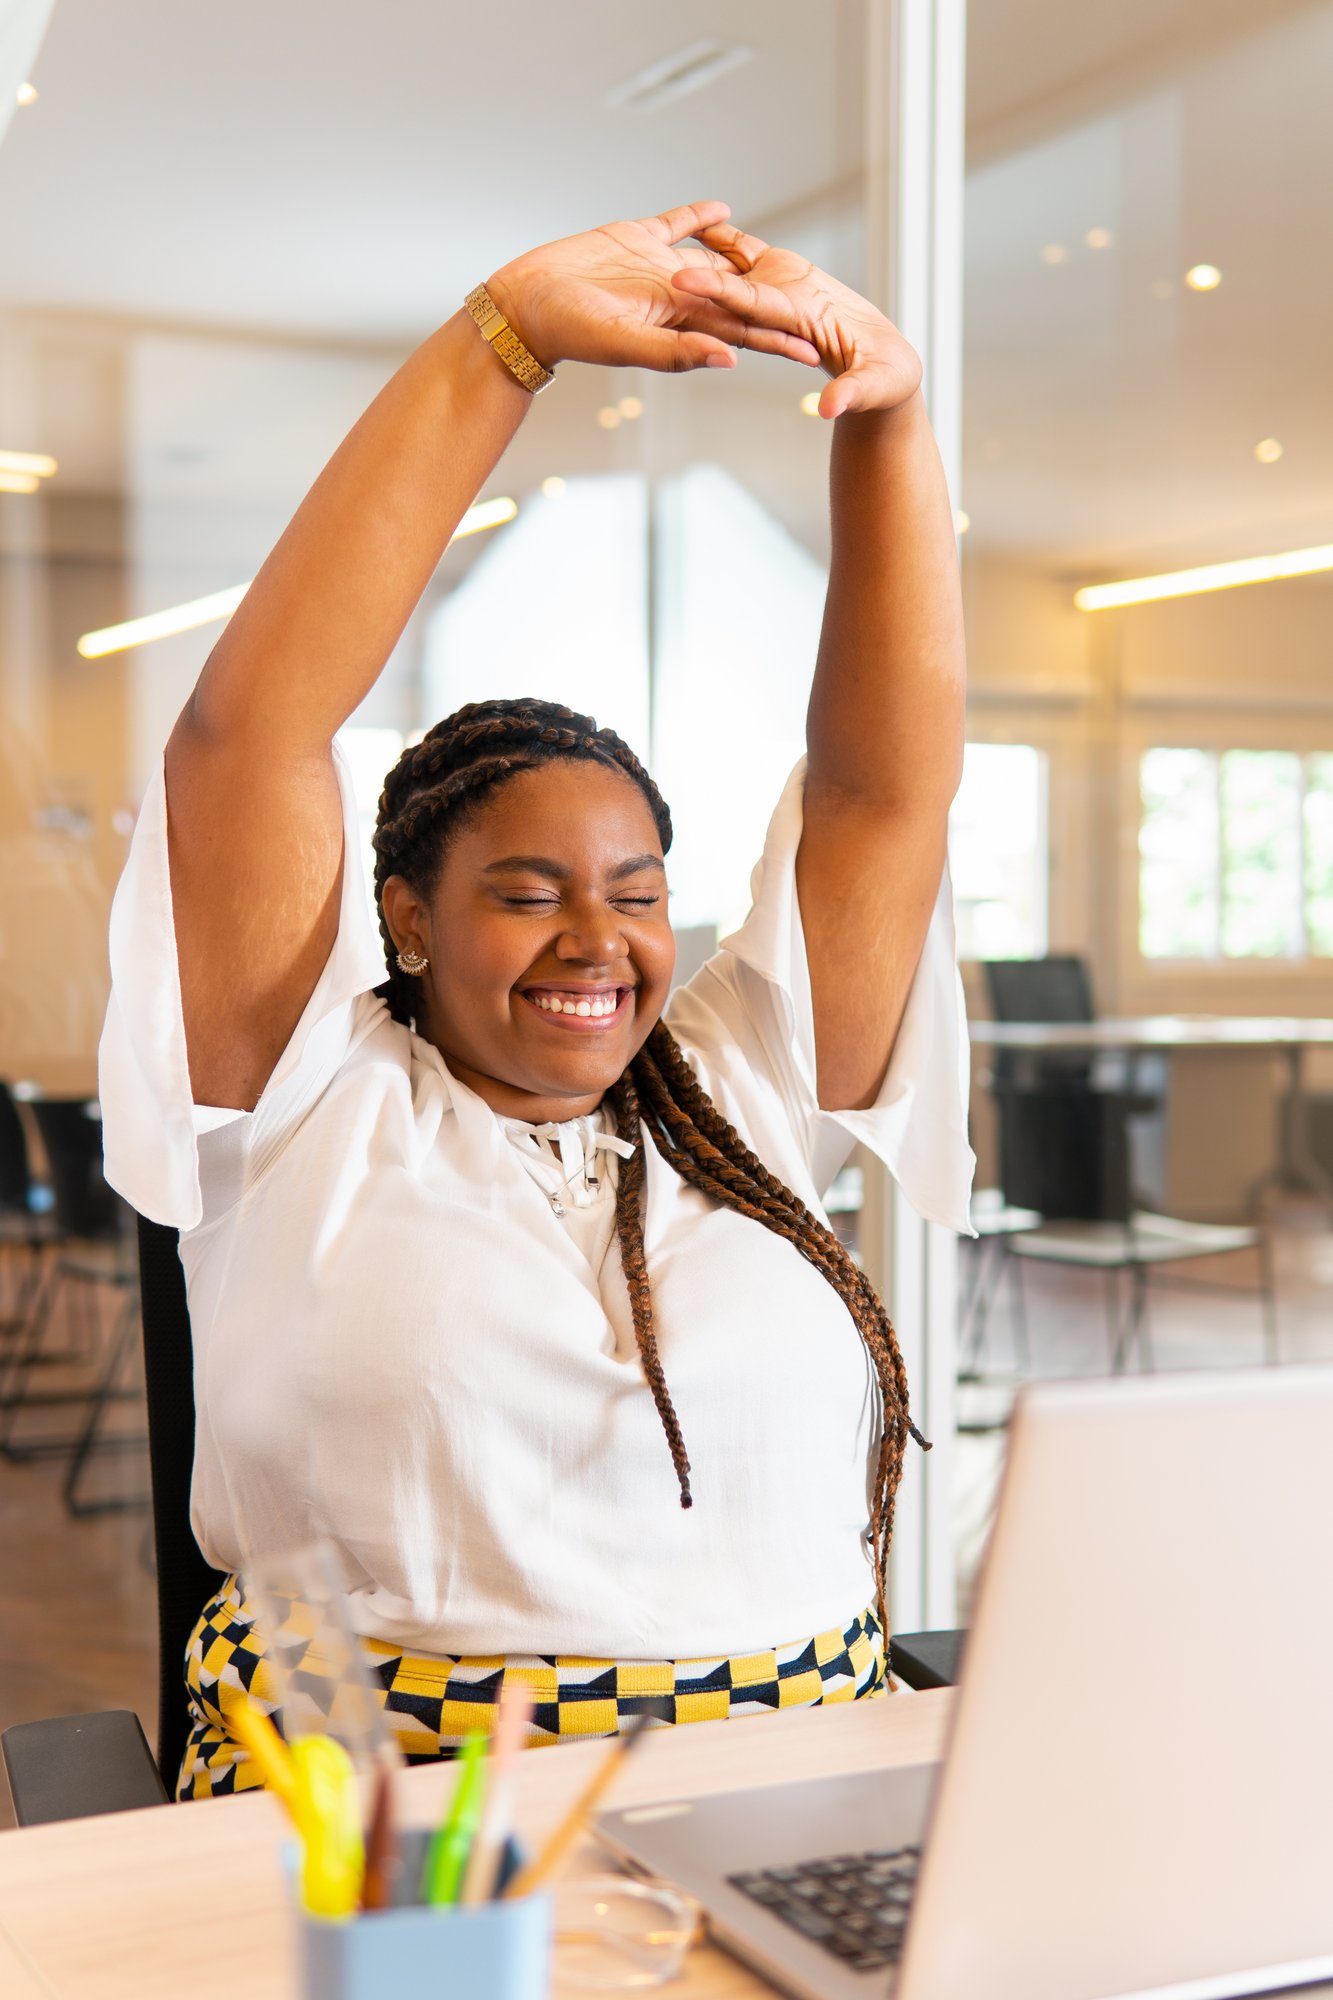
{"points": [[412, 961]]}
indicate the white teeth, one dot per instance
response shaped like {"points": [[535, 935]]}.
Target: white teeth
{"points": [[597, 1009]]}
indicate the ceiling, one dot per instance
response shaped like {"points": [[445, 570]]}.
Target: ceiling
{"points": [[312, 167], [201, 197]]}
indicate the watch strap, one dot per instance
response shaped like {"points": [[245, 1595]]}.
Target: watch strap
{"points": [[495, 328]]}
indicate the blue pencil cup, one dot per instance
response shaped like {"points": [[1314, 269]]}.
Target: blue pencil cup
{"points": [[481, 1951]]}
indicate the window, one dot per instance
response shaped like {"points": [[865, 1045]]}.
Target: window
{"points": [[997, 851], [1235, 854]]}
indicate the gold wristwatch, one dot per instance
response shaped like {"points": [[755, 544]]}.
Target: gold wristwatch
{"points": [[496, 328]]}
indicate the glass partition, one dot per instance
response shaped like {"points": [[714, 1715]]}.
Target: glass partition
{"points": [[1148, 419]]}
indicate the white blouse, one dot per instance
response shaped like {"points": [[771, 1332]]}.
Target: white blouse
{"points": [[401, 1345]]}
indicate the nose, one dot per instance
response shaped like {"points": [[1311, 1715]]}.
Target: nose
{"points": [[591, 936]]}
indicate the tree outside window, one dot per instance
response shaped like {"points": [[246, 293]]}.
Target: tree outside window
{"points": [[1235, 854]]}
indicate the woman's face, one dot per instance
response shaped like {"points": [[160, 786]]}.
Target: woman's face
{"points": [[549, 944]]}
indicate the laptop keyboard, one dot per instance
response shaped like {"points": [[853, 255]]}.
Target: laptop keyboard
{"points": [[854, 1905]]}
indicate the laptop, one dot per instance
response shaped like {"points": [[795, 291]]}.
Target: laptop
{"points": [[1137, 1793]]}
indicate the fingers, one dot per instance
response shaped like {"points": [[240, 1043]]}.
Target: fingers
{"points": [[740, 249], [768, 304], [842, 394], [772, 340], [708, 318], [674, 224], [675, 353]]}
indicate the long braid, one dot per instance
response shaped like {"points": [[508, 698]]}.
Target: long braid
{"points": [[704, 1149], [624, 1102], [434, 786]]}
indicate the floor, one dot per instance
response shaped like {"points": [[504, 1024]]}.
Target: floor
{"points": [[78, 1623], [1189, 1329]]}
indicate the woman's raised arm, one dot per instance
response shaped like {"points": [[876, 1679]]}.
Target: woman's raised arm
{"points": [[885, 723], [254, 821]]}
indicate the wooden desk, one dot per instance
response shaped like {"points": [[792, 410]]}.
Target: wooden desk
{"points": [[188, 1900]]}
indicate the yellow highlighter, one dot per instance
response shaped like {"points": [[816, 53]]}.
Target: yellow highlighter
{"points": [[327, 1812], [316, 1781]]}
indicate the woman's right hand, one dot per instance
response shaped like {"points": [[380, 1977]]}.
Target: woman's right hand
{"points": [[606, 297]]}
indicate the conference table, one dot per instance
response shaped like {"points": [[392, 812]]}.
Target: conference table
{"points": [[1296, 1169], [189, 1900]]}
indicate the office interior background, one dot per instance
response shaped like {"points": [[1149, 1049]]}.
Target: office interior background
{"points": [[218, 237]]}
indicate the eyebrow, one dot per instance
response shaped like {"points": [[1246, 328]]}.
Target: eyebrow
{"points": [[540, 864]]}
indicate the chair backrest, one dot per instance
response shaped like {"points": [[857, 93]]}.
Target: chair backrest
{"points": [[1040, 989], [72, 1141], [1064, 1151], [185, 1581], [15, 1176]]}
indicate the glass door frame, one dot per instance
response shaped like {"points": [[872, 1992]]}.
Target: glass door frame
{"points": [[916, 83]]}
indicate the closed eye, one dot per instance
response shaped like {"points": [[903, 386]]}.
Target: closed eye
{"points": [[552, 902]]}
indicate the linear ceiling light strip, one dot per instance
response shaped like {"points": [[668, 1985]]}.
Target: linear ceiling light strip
{"points": [[1213, 576], [207, 610]]}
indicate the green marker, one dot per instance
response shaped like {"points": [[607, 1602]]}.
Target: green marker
{"points": [[446, 1858]]}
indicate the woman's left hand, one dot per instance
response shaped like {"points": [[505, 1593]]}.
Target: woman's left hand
{"points": [[871, 365]]}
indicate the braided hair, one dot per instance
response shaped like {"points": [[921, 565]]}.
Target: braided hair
{"points": [[436, 785]]}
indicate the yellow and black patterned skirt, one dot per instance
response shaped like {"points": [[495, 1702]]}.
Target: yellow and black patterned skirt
{"points": [[432, 1702]]}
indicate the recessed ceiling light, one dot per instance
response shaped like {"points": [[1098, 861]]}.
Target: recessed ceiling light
{"points": [[962, 521], [1203, 277], [26, 94], [1098, 239], [675, 76], [553, 486], [18, 482], [39, 463], [609, 417], [1268, 451], [630, 407], [1054, 253], [810, 402], [1212, 576]]}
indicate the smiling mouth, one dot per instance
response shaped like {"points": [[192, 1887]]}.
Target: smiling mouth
{"points": [[583, 1010]]}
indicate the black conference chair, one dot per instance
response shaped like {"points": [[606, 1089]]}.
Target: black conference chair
{"points": [[71, 1766]]}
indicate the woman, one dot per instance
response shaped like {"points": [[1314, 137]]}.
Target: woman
{"points": [[461, 1248]]}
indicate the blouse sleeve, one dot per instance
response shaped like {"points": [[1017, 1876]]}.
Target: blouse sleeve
{"points": [[179, 1162], [746, 1020]]}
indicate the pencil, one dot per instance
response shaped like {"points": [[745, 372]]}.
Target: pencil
{"points": [[270, 1753], [483, 1866], [381, 1846], [575, 1819]]}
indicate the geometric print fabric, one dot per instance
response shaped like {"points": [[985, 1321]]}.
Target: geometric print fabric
{"points": [[433, 1703]]}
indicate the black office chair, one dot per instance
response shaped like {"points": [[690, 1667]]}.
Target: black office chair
{"points": [[70, 1766], [1067, 1149], [27, 1231], [80, 1253]]}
